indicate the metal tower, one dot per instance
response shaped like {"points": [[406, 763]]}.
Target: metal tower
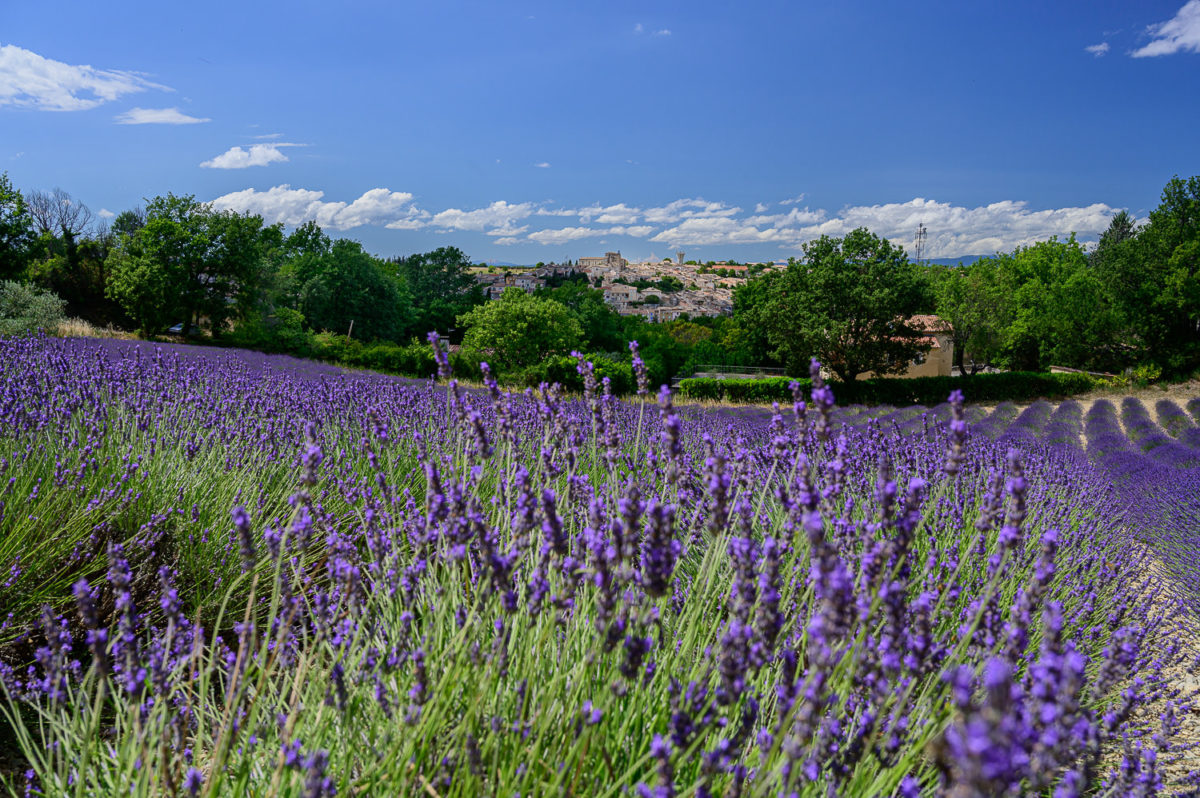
{"points": [[920, 241]]}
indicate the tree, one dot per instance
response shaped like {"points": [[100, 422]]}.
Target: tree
{"points": [[188, 263], [441, 287], [16, 229], [351, 286], [520, 330], [847, 304], [602, 328], [751, 304], [1172, 252], [128, 222], [970, 300]]}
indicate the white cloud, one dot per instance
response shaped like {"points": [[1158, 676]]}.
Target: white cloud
{"points": [[760, 207], [32, 81], [105, 213], [637, 231], [688, 209], [793, 201], [1181, 33], [543, 165], [663, 32], [638, 28], [265, 136], [498, 214], [375, 206], [237, 158], [953, 230], [721, 230], [563, 235], [793, 218], [508, 232], [294, 206], [611, 214], [1097, 49], [157, 116], [414, 219]]}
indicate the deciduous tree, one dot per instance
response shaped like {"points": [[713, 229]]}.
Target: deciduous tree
{"points": [[847, 304], [520, 330], [16, 229]]}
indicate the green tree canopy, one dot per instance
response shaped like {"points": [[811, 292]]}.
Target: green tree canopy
{"points": [[16, 229], [188, 263], [441, 287], [846, 304], [520, 330], [1156, 279], [602, 327], [346, 284]]}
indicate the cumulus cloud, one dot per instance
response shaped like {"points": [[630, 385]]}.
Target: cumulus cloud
{"points": [[721, 230], [688, 209], [760, 207], [294, 206], [1097, 49], [508, 232], [105, 213], [238, 158], [32, 81], [637, 231], [563, 234], [609, 214], [1179, 34], [953, 230], [498, 214], [157, 116]]}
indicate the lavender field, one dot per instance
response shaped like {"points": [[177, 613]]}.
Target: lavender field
{"points": [[226, 573]]}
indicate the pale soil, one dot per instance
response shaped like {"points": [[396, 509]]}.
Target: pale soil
{"points": [[1181, 627]]}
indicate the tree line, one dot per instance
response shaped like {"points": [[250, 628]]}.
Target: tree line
{"points": [[1133, 299]]}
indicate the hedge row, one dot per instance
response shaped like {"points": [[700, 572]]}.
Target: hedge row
{"points": [[1008, 386]]}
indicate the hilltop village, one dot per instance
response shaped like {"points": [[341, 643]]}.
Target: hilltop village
{"points": [[656, 290]]}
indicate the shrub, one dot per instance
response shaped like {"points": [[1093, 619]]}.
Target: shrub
{"points": [[562, 369], [1009, 386], [413, 360], [26, 308], [283, 334]]}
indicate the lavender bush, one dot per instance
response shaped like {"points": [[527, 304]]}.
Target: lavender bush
{"points": [[233, 574]]}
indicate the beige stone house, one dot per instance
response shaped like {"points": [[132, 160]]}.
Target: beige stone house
{"points": [[938, 361]]}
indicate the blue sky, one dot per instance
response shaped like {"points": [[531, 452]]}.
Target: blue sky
{"points": [[527, 131]]}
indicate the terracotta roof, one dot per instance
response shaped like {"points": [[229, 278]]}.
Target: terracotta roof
{"points": [[929, 323]]}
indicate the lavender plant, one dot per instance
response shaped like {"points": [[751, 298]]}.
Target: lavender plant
{"points": [[235, 574]]}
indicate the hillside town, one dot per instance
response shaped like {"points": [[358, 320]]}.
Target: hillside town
{"points": [[679, 287]]}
